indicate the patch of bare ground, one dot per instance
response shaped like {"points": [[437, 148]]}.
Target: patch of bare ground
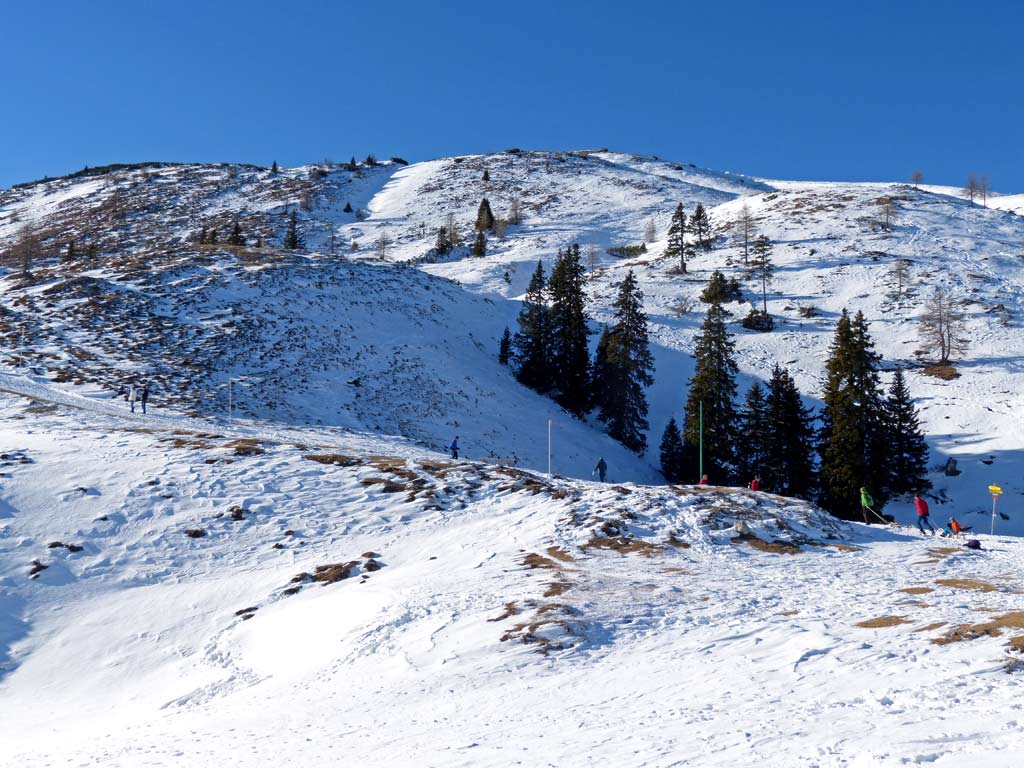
{"points": [[533, 560], [776, 547], [510, 610], [559, 554], [335, 459], [673, 569], [974, 584], [676, 541], [943, 371], [387, 486], [930, 627], [624, 545], [917, 590], [556, 588], [526, 632], [845, 547], [621, 489], [334, 572], [193, 443], [993, 628], [915, 603], [882, 621], [247, 447], [788, 613]]}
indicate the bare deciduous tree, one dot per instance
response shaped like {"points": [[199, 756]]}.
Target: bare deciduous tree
{"points": [[888, 206], [917, 177], [25, 250], [971, 189], [382, 245], [942, 327], [984, 189], [650, 231], [590, 253], [453, 230], [901, 273], [744, 227], [515, 211]]}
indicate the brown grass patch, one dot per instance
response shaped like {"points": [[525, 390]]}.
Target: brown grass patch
{"points": [[673, 569], [336, 459], [624, 545], [387, 486], [248, 446], [994, 628], [533, 560], [559, 554], [777, 547], [974, 584], [333, 572], [510, 610], [674, 540], [917, 590], [557, 588], [845, 547], [788, 613], [943, 371], [930, 627], [882, 621]]}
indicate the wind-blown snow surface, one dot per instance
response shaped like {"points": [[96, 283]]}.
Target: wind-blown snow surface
{"points": [[515, 619]]}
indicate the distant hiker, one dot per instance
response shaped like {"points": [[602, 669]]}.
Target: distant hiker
{"points": [[144, 396], [601, 469], [866, 504], [704, 480], [132, 396], [515, 459], [454, 447], [922, 514], [755, 484]]}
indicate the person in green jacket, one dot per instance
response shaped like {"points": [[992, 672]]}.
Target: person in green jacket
{"points": [[866, 504]]}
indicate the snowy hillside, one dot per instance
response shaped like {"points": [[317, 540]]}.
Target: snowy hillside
{"points": [[163, 579]]}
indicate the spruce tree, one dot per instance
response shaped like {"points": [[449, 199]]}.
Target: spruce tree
{"points": [[761, 267], [273, 167], [671, 453], [236, 237], [479, 245], [700, 225], [713, 385], [719, 289], [788, 467], [570, 357], [487, 175], [909, 452], [292, 239], [628, 364], [443, 244], [505, 348], [348, 207], [532, 342], [852, 438], [599, 370], [751, 448], [484, 216], [676, 248]]}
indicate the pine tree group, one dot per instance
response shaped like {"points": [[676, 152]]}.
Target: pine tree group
{"points": [[532, 342]]}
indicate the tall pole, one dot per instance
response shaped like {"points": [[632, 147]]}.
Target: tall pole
{"points": [[701, 440], [230, 404], [993, 531], [549, 446]]}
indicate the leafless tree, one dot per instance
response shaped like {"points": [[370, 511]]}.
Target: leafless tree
{"points": [[454, 235], [499, 228], [901, 272], [515, 211], [590, 254], [888, 206], [917, 177], [25, 250], [942, 327], [382, 245], [984, 189], [744, 227], [650, 231], [971, 189]]}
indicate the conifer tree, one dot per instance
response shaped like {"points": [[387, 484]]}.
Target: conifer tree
{"points": [[292, 239], [751, 448], [484, 216], [505, 348], [852, 438], [348, 207], [599, 370], [487, 175], [671, 452], [479, 245], [788, 468], [570, 360], [761, 267], [713, 385], [676, 248], [532, 342], [236, 237], [273, 167], [719, 289], [908, 451], [700, 225], [628, 365]]}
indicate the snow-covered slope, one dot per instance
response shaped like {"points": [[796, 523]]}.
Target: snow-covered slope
{"points": [[333, 605]]}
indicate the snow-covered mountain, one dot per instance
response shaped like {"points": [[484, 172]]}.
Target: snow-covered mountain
{"points": [[312, 581]]}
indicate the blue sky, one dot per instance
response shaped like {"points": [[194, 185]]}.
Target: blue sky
{"points": [[859, 91]]}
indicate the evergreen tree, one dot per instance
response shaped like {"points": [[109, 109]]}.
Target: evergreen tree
{"points": [[479, 245], [236, 237], [788, 467], [720, 290], [211, 237], [273, 167], [713, 385], [761, 266], [348, 207], [352, 165], [532, 342], [853, 438], [599, 370], [292, 239], [484, 216], [570, 360], [909, 452], [700, 225], [672, 452], [676, 248], [628, 366], [751, 448], [487, 175], [505, 349]]}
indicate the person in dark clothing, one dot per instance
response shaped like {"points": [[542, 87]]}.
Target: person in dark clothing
{"points": [[601, 469], [144, 396], [454, 447]]}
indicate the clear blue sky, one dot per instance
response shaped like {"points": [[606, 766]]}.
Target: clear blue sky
{"points": [[861, 91]]}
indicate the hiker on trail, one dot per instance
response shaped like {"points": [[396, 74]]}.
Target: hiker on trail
{"points": [[132, 395], [704, 480], [922, 514], [601, 469], [755, 484], [866, 504], [144, 396], [454, 447]]}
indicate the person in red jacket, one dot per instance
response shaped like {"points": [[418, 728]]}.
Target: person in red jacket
{"points": [[755, 484], [922, 514]]}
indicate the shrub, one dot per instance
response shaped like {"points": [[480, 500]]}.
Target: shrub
{"points": [[628, 251], [758, 320], [399, 160], [720, 290]]}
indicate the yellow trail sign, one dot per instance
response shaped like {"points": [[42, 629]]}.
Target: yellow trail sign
{"points": [[995, 490]]}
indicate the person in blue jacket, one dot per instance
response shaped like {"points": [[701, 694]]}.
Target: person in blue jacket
{"points": [[454, 447]]}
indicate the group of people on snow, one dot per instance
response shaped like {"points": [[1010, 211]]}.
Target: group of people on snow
{"points": [[135, 394]]}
